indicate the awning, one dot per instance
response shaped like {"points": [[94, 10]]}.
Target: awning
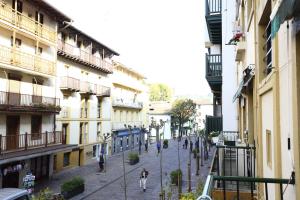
{"points": [[248, 74], [286, 10]]}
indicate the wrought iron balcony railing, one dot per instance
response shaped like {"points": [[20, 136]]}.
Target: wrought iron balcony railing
{"points": [[69, 83], [10, 101], [26, 61], [23, 22], [10, 143]]}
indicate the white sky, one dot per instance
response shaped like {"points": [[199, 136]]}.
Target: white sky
{"points": [[162, 39]]}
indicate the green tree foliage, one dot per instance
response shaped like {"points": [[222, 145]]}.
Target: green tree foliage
{"points": [[183, 110], [160, 92]]}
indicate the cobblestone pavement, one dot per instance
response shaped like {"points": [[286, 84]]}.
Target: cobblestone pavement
{"points": [[110, 185]]}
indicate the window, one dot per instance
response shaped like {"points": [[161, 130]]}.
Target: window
{"points": [[39, 17], [39, 51], [66, 159], [267, 49], [19, 6], [36, 127], [269, 147], [18, 42]]}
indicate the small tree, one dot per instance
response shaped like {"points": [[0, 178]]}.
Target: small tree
{"points": [[160, 92], [183, 110]]}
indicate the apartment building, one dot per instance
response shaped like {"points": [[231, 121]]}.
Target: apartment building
{"points": [[84, 89], [28, 102], [266, 38], [220, 66], [129, 108], [204, 107]]}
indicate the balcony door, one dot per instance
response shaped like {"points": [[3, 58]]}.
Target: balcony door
{"points": [[14, 96], [65, 133], [37, 91], [12, 132]]}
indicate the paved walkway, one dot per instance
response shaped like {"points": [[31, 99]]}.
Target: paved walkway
{"points": [[110, 185]]}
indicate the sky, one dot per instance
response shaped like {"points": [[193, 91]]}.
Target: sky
{"points": [[162, 39]]}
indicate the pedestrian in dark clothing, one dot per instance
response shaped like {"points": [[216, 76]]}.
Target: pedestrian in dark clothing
{"points": [[197, 144], [140, 146], [191, 146], [101, 162], [186, 143], [158, 147], [146, 145]]}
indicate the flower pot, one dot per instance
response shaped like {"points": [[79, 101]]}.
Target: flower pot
{"points": [[165, 146], [133, 162]]}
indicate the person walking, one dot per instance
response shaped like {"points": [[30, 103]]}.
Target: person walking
{"points": [[158, 145], [146, 146], [186, 143], [101, 162], [143, 179]]}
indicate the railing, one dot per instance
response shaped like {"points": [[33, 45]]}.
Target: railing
{"points": [[209, 191], [213, 7], [127, 104], [70, 83], [17, 99], [228, 137], [27, 141], [86, 87], [235, 160], [27, 61], [213, 65], [84, 56], [20, 20], [102, 91]]}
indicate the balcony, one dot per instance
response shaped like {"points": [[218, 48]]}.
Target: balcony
{"points": [[120, 125], [26, 61], [102, 91], [87, 88], [11, 17], [232, 176], [69, 84], [16, 102], [214, 20], [213, 123], [119, 102], [11, 143], [76, 54], [214, 71], [64, 113]]}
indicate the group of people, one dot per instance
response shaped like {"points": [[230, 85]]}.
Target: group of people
{"points": [[186, 142]]}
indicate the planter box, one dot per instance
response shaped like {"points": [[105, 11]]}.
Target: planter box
{"points": [[229, 143], [165, 146], [76, 191], [133, 162]]}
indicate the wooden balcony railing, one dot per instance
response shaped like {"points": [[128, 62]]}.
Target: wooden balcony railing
{"points": [[102, 91], [213, 7], [83, 56], [27, 141], [69, 83], [87, 87], [27, 61], [213, 65], [26, 23], [17, 100]]}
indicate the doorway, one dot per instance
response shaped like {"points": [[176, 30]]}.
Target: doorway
{"points": [[12, 132], [65, 133]]}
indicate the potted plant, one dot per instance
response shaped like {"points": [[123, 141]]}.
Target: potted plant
{"points": [[133, 158], [165, 144], [72, 187], [214, 136], [174, 177]]}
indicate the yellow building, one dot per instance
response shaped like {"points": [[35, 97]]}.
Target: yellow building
{"points": [[267, 42], [129, 108], [84, 66], [267, 64], [28, 102]]}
